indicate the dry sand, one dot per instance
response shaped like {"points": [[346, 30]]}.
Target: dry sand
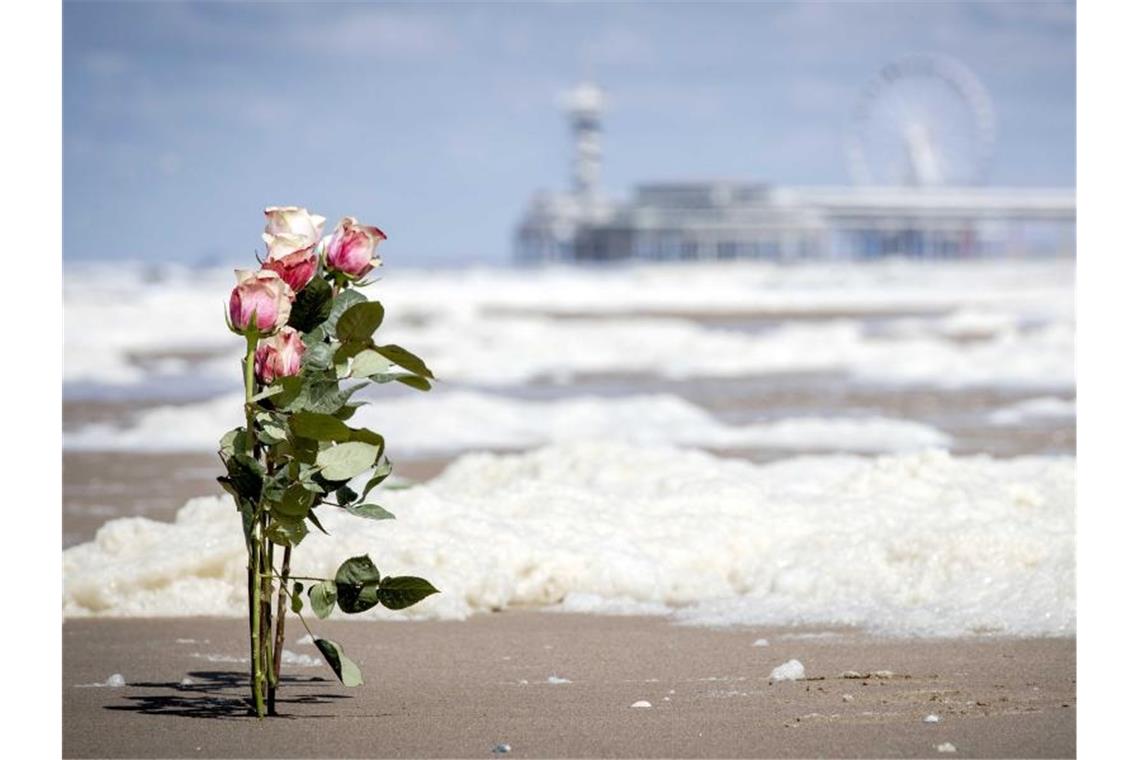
{"points": [[456, 689]]}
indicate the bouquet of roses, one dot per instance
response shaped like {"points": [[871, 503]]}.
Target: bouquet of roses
{"points": [[309, 347]]}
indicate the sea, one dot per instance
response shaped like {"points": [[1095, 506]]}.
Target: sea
{"points": [[888, 445]]}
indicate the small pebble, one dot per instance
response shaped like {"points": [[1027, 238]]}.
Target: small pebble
{"points": [[932, 718], [848, 698], [760, 643], [946, 747], [501, 749], [641, 703]]}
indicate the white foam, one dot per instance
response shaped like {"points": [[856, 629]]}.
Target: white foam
{"points": [[555, 680], [792, 670], [925, 544], [114, 681], [300, 660], [989, 323], [462, 420], [1034, 409], [577, 602]]}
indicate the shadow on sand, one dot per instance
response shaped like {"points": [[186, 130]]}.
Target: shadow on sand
{"points": [[222, 694]]}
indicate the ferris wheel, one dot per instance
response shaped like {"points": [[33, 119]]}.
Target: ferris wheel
{"points": [[924, 121]]}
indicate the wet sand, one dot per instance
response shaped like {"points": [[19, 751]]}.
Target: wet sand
{"points": [[456, 689]]}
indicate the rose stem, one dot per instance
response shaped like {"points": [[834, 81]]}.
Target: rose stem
{"points": [[255, 558], [280, 642], [266, 603]]}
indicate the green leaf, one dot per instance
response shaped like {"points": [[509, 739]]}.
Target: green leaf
{"points": [[312, 305], [341, 304], [271, 429], [348, 349], [404, 591], [371, 511], [345, 669], [291, 389], [367, 436], [322, 396], [368, 363], [272, 390], [359, 321], [313, 519], [414, 381], [345, 461], [318, 356], [244, 475], [286, 531], [235, 440], [407, 378], [346, 411], [382, 471], [295, 502], [304, 451], [357, 580], [296, 601], [319, 427], [322, 598], [357, 571], [406, 359]]}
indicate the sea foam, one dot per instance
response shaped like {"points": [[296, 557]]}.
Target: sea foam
{"points": [[940, 324], [444, 423], [914, 544]]}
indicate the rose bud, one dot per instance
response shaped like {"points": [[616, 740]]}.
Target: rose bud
{"points": [[279, 356], [352, 248], [295, 268], [263, 297]]}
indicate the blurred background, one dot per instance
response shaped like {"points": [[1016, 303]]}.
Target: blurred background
{"points": [[437, 121], [761, 230]]}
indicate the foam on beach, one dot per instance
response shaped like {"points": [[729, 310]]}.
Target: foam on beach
{"points": [[915, 544], [950, 324], [447, 422]]}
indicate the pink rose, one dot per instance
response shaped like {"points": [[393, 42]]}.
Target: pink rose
{"points": [[279, 356], [295, 268], [289, 229], [262, 296], [352, 248]]}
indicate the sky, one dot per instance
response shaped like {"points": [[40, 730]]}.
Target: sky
{"points": [[437, 121]]}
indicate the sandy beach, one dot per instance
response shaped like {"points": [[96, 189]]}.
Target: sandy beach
{"points": [[865, 384], [561, 685]]}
